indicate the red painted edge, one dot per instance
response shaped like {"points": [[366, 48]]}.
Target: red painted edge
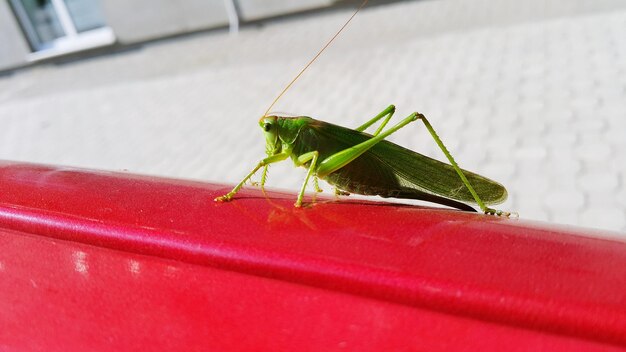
{"points": [[515, 272]]}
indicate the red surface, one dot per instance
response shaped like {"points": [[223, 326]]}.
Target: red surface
{"points": [[99, 260]]}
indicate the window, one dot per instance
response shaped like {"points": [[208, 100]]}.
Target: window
{"points": [[55, 27]]}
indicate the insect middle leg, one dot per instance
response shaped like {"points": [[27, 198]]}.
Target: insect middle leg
{"points": [[316, 185], [303, 159]]}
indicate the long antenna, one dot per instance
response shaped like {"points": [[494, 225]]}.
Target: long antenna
{"points": [[314, 58]]}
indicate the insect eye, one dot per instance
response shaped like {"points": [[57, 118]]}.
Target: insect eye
{"points": [[267, 126]]}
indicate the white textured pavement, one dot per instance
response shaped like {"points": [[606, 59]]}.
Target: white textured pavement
{"points": [[530, 93]]}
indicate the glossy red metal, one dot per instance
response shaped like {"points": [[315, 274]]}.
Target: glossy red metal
{"points": [[94, 260]]}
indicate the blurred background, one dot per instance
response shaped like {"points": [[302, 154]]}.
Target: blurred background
{"points": [[530, 93]]}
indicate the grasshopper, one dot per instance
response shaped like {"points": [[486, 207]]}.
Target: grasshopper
{"points": [[358, 162]]}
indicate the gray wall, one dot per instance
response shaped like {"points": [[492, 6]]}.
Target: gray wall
{"points": [[13, 45], [140, 20], [137, 20], [256, 9]]}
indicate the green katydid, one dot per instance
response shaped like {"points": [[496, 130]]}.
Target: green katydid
{"points": [[357, 162]]}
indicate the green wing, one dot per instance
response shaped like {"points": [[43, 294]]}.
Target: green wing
{"points": [[404, 168]]}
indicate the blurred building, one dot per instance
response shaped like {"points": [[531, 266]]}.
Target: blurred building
{"points": [[34, 30]]}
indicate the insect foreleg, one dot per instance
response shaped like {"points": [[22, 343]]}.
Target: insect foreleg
{"points": [[303, 159], [388, 112], [261, 184], [458, 170], [264, 176], [269, 160]]}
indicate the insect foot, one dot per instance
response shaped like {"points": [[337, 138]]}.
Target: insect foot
{"points": [[506, 214], [339, 192], [224, 198]]}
